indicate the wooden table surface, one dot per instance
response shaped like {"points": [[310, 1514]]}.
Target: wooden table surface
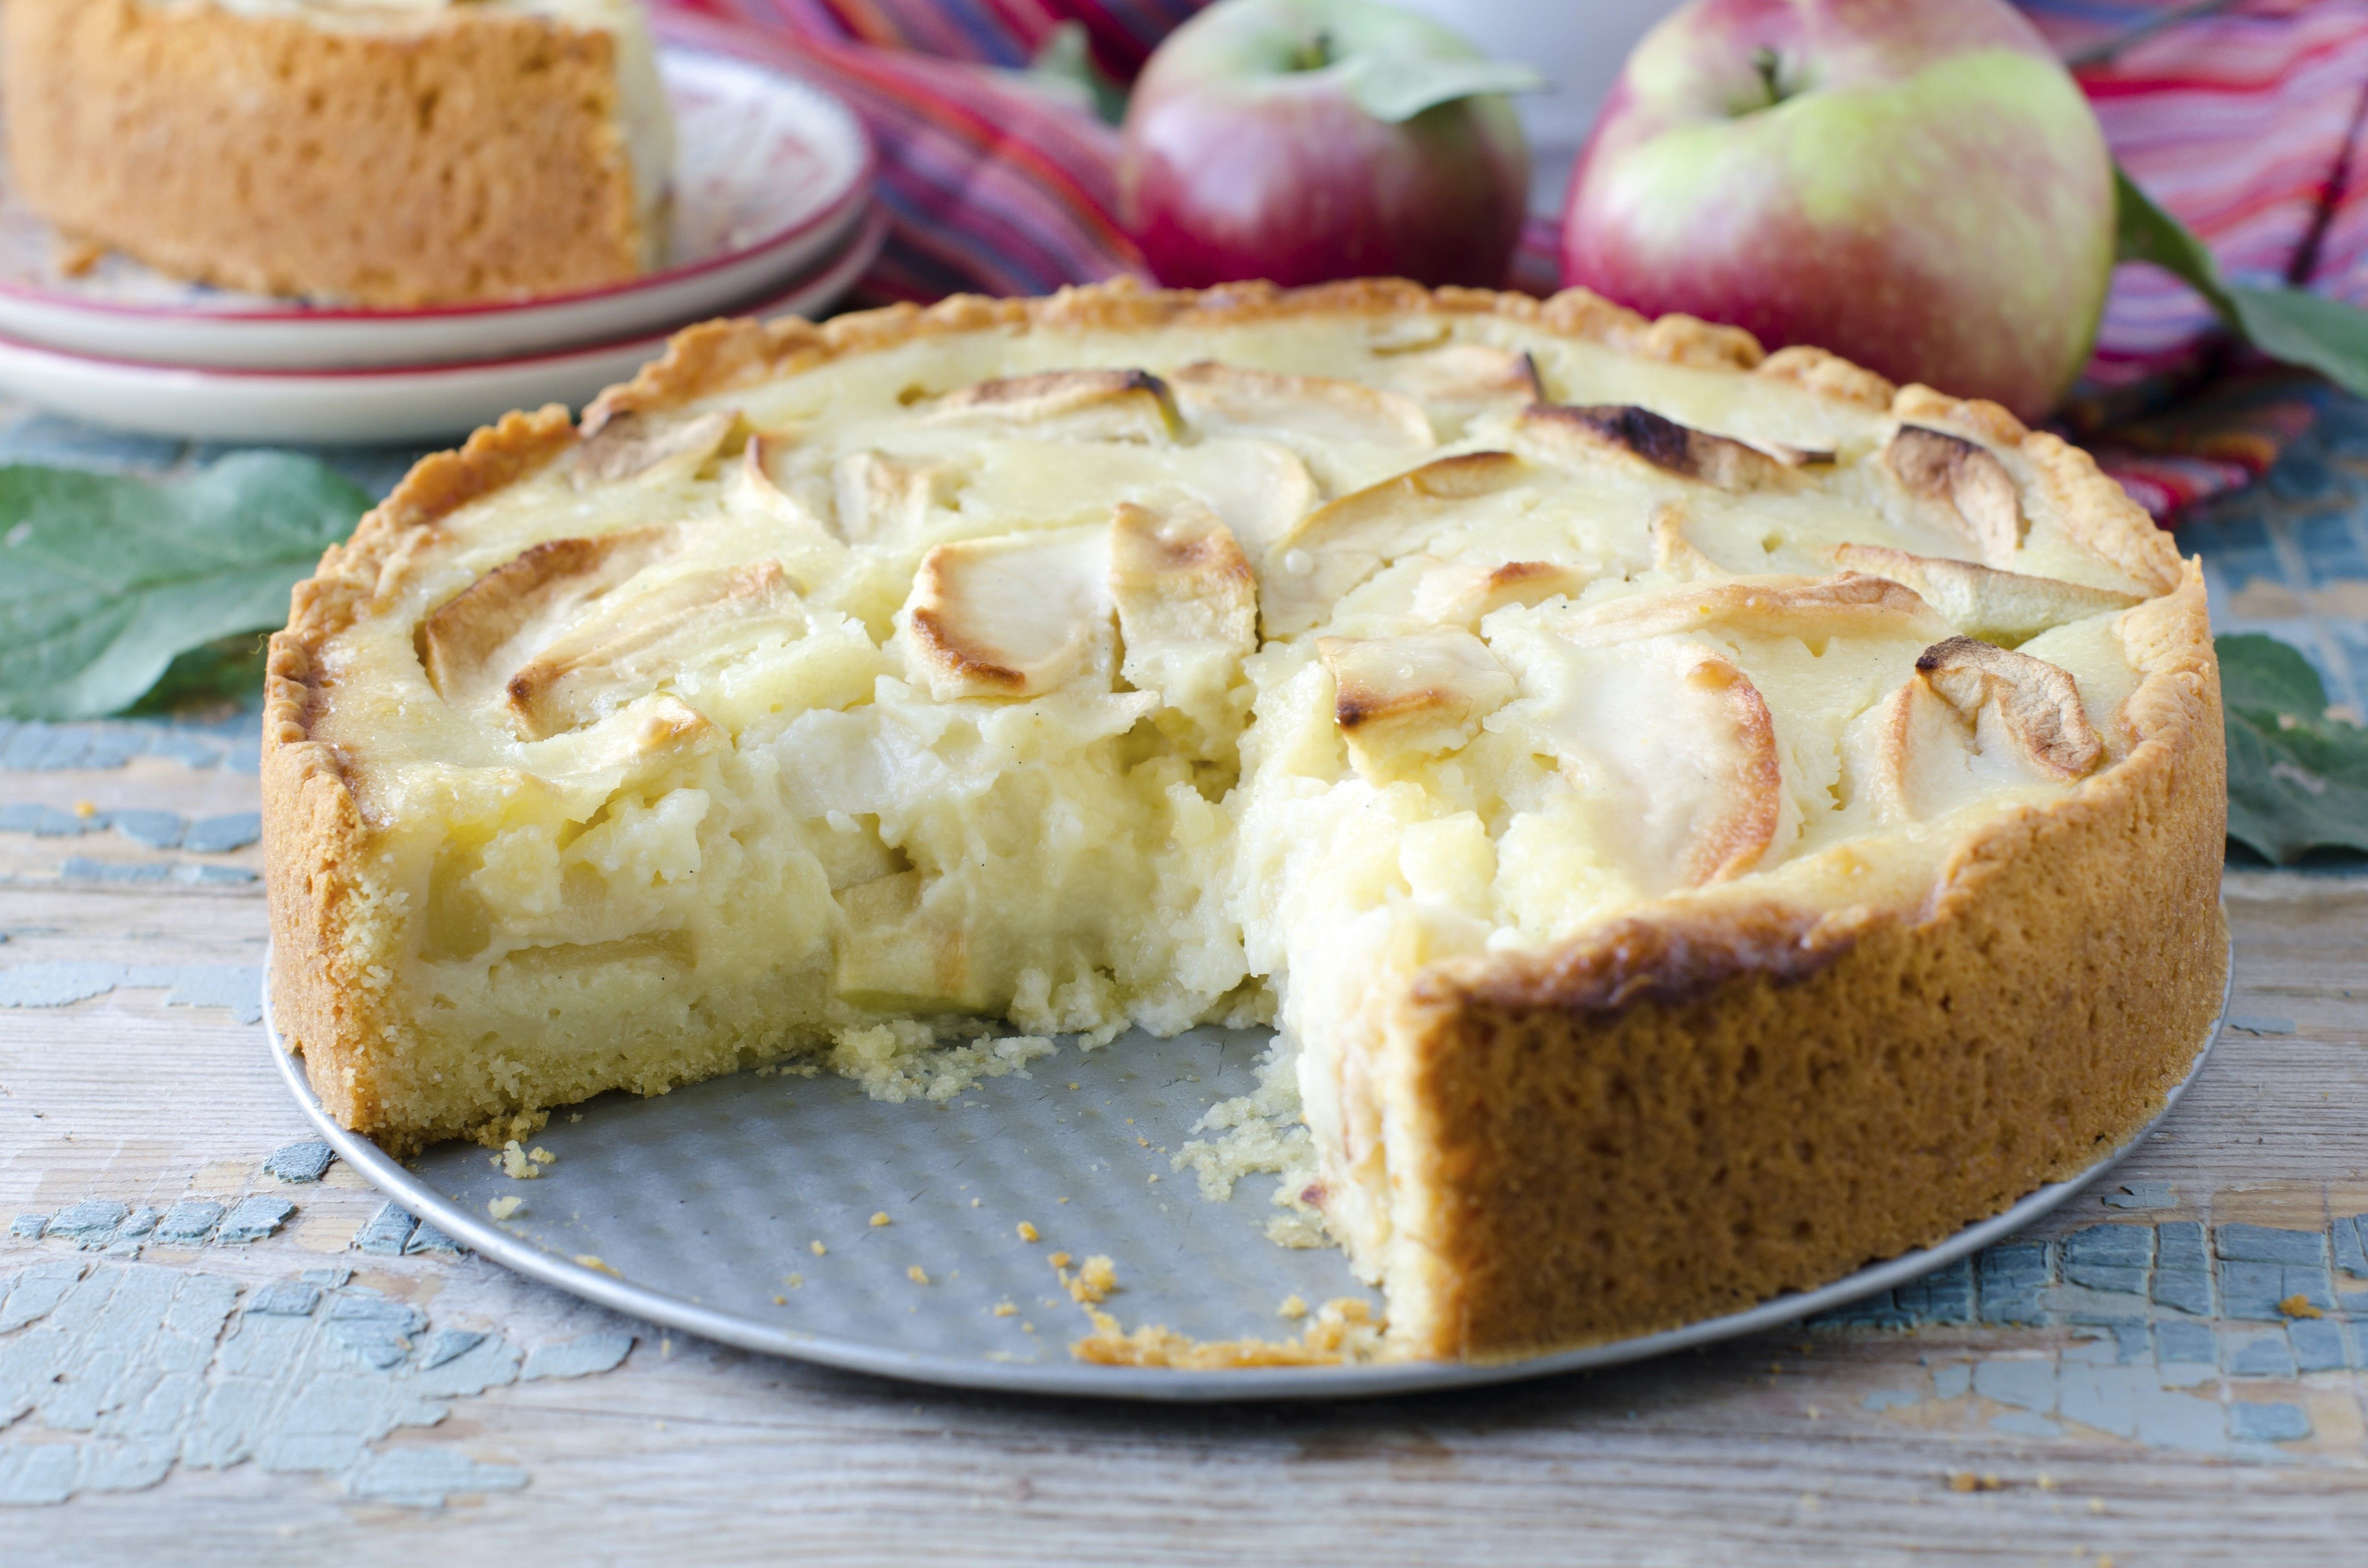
{"points": [[2123, 1383]]}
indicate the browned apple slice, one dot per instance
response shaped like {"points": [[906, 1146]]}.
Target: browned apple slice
{"points": [[1911, 755], [1972, 720], [1343, 542], [1574, 435], [636, 446], [1017, 615], [1459, 381], [1400, 699], [1234, 398], [879, 497], [1968, 482], [1180, 584], [637, 641], [1673, 553], [522, 600], [1464, 593], [2033, 705], [1677, 743], [1847, 604], [1981, 601], [1085, 405]]}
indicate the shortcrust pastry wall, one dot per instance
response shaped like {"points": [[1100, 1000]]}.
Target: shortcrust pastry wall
{"points": [[1691, 1113], [424, 162]]}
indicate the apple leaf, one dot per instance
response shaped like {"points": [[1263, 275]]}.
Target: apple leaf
{"points": [[105, 580], [1065, 67], [1394, 89], [2297, 778], [2289, 324]]}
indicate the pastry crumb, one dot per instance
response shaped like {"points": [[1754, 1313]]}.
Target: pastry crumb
{"points": [[1094, 1281], [881, 1218], [588, 1261], [817, 1248], [916, 1274], [1293, 1306], [1059, 1260], [2298, 1306], [1028, 1232], [1006, 1310], [1345, 1332], [541, 1157], [781, 1300], [503, 1208], [515, 1163]]}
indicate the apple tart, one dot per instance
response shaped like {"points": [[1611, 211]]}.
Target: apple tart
{"points": [[1706, 820]]}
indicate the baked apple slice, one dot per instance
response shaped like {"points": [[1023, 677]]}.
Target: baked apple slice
{"points": [[1982, 601], [1016, 614], [1966, 481], [1341, 543], [1077, 406], [1400, 700]]}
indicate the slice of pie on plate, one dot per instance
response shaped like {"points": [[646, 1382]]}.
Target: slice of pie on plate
{"points": [[1706, 820]]}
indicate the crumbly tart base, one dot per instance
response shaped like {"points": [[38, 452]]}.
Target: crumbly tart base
{"points": [[456, 155], [1719, 1099]]}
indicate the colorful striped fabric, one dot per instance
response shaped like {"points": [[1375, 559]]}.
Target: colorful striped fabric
{"points": [[2242, 117]]}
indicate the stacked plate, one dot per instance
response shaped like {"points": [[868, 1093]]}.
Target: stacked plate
{"points": [[772, 214]]}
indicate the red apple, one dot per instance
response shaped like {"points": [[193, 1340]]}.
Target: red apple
{"points": [[1301, 140], [1917, 185]]}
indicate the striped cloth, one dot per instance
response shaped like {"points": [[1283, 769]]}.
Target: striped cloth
{"points": [[2242, 117]]}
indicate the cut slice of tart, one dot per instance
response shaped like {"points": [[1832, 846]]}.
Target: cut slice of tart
{"points": [[395, 153], [1701, 823]]}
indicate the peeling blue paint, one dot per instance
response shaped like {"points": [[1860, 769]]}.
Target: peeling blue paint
{"points": [[2268, 1423], [255, 1217], [189, 1222], [426, 1478], [2172, 1322], [303, 1161], [576, 1357], [387, 1231], [32, 746], [427, 1238], [90, 1223], [2141, 1195], [111, 1375], [238, 987]]}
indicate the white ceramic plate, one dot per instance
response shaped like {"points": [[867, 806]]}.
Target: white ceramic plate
{"points": [[372, 407], [771, 176], [700, 1209]]}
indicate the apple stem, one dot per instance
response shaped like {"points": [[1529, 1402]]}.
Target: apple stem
{"points": [[1770, 69], [1314, 54]]}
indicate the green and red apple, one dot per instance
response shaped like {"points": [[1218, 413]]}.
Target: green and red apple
{"points": [[1917, 185], [1301, 140]]}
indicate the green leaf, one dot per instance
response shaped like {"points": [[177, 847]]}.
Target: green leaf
{"points": [[2290, 324], [1394, 89], [2297, 778], [104, 581], [1065, 67]]}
